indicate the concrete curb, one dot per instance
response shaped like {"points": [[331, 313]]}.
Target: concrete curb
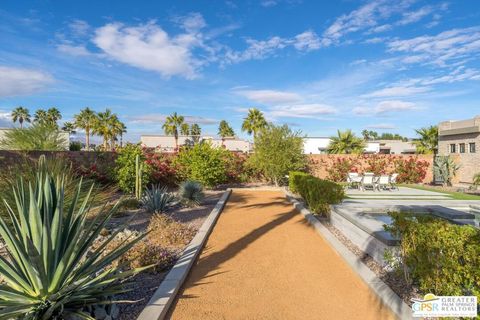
{"points": [[158, 306], [383, 291]]}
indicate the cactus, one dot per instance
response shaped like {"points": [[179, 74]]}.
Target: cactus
{"points": [[138, 178]]}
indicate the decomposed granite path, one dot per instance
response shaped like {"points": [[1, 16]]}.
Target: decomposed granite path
{"points": [[262, 261]]}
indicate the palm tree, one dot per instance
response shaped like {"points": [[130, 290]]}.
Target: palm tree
{"points": [[69, 127], [103, 127], [366, 134], [20, 114], [117, 128], [123, 129], [171, 126], [53, 115], [195, 132], [86, 120], [185, 129], [224, 130], [254, 122], [40, 116], [428, 141], [345, 143]]}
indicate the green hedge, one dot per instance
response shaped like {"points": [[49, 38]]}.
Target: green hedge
{"points": [[442, 258], [318, 194], [293, 178]]}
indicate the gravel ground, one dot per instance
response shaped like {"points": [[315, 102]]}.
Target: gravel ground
{"points": [[394, 280], [145, 284]]}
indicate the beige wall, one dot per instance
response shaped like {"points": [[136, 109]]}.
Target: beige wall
{"points": [[469, 162]]}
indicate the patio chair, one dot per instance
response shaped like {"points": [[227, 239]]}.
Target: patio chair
{"points": [[383, 182], [354, 180], [368, 180], [393, 181]]}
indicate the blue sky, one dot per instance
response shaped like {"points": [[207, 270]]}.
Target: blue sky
{"points": [[319, 66]]}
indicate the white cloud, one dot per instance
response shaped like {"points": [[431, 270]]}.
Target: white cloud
{"points": [[270, 96], [375, 40], [192, 22], [441, 49], [149, 47], [79, 27], [159, 118], [311, 110], [414, 16], [382, 126], [397, 92], [5, 119], [307, 41], [382, 28], [19, 81], [384, 107], [74, 50], [268, 3]]}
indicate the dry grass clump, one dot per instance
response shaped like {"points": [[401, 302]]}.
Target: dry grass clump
{"points": [[167, 232]]}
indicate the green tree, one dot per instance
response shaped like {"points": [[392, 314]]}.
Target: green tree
{"points": [[105, 126], [428, 141], [53, 115], [117, 128], [21, 115], [185, 129], [277, 151], [254, 122], [86, 120], [225, 131], [195, 132], [345, 143], [172, 125], [40, 116], [69, 127], [39, 136]]}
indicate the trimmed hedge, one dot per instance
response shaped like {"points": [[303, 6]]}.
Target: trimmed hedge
{"points": [[293, 178], [318, 194]]}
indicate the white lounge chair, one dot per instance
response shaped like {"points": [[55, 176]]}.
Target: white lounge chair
{"points": [[393, 181], [368, 180], [383, 182], [354, 180]]}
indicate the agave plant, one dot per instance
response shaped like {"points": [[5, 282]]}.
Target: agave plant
{"points": [[157, 199], [446, 168], [191, 193], [50, 270]]}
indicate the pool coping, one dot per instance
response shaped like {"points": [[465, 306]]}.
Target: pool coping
{"points": [[386, 295], [159, 304]]}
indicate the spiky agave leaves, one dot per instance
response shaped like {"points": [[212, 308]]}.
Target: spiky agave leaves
{"points": [[157, 199], [51, 270], [191, 193]]}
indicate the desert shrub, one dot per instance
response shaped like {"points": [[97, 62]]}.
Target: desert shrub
{"points": [[377, 164], [39, 136], [411, 170], [157, 199], [75, 146], [438, 256], [51, 270], [339, 168], [162, 168], [446, 168], [237, 170], [319, 194], [293, 180], [191, 193], [278, 150], [203, 163], [169, 233], [125, 167]]}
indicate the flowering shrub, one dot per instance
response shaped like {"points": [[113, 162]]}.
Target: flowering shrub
{"points": [[338, 170], [411, 170], [162, 169], [377, 164], [94, 172]]}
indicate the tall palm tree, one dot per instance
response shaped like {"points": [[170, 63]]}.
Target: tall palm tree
{"points": [[428, 141], [185, 129], [53, 115], [86, 120], [172, 123], [195, 132], [103, 127], [123, 129], [345, 143], [254, 122], [40, 116], [69, 127], [21, 115], [224, 130], [117, 128]]}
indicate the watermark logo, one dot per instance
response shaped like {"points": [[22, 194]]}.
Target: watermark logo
{"points": [[445, 306]]}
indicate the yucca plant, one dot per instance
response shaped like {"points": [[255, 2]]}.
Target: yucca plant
{"points": [[191, 193], [50, 270], [157, 199]]}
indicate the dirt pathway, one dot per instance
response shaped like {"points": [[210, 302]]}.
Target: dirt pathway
{"points": [[262, 261]]}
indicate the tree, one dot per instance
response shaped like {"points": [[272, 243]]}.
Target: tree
{"points": [[277, 151], [345, 143], [106, 126], [21, 115], [53, 115], [69, 127], [195, 132], [39, 136], [185, 129], [171, 126], [366, 134], [86, 120], [40, 116], [254, 122], [428, 141], [225, 131], [117, 128]]}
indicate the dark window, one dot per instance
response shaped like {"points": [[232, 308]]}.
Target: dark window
{"points": [[472, 147], [453, 148], [462, 147]]}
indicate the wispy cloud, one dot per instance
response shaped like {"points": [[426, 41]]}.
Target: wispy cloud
{"points": [[311, 110], [385, 107], [269, 96], [382, 126], [397, 92], [20, 81], [159, 118]]}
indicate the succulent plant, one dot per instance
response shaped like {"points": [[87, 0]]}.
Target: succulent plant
{"points": [[191, 193], [157, 199]]}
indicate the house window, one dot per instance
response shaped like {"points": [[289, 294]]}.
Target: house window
{"points": [[472, 147], [462, 148], [453, 148]]}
